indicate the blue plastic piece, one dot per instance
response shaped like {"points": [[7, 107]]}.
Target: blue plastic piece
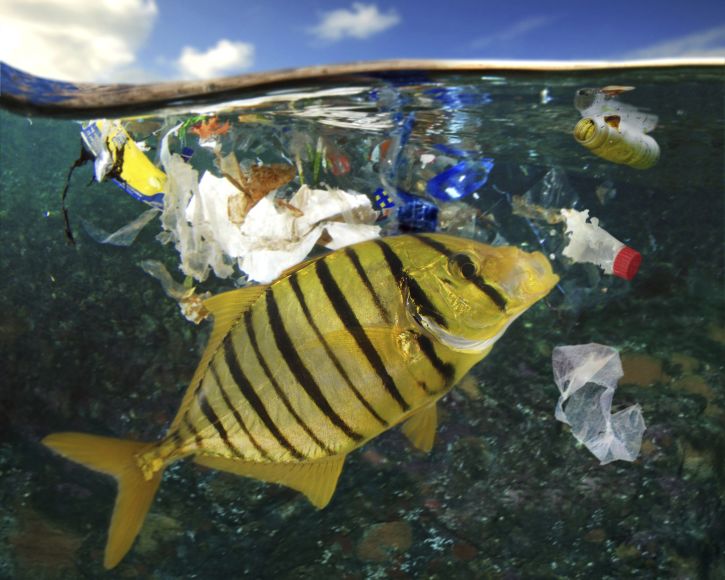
{"points": [[460, 180], [156, 200], [418, 216], [381, 200], [187, 153]]}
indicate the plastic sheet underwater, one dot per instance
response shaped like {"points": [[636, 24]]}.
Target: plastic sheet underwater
{"points": [[92, 338]]}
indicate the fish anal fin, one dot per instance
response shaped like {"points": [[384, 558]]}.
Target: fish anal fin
{"points": [[317, 480], [420, 429], [226, 308]]}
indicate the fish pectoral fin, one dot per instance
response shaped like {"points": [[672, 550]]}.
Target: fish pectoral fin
{"points": [[420, 429], [316, 479], [226, 308]]}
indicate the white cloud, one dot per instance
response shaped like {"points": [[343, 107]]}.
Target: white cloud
{"points": [[74, 40], [705, 43], [513, 32], [226, 57], [362, 21]]}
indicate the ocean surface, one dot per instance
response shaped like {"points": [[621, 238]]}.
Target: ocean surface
{"points": [[90, 342]]}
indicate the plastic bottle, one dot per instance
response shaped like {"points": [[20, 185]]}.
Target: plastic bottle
{"points": [[590, 243], [614, 140]]}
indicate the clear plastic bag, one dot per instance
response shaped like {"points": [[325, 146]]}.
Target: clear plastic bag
{"points": [[587, 376]]}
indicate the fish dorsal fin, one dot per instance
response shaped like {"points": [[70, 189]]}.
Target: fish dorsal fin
{"points": [[232, 304], [420, 429], [292, 269], [316, 479], [226, 308]]}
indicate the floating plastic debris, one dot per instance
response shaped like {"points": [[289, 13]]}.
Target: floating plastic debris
{"points": [[337, 161], [614, 130], [124, 236], [553, 191], [418, 215], [209, 130], [460, 219], [119, 158], [605, 192], [590, 243], [587, 376], [381, 200], [460, 180], [276, 236], [523, 208], [251, 184], [187, 153], [191, 304]]}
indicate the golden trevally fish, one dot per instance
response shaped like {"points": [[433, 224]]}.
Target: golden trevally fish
{"points": [[300, 372]]}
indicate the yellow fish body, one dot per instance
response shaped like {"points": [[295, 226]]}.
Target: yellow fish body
{"points": [[300, 372]]}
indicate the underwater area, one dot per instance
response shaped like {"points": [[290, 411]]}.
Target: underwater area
{"points": [[90, 342]]}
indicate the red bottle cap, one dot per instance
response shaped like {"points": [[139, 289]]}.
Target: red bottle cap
{"points": [[626, 263]]}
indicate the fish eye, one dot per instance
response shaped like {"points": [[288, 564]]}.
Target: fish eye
{"points": [[462, 265]]}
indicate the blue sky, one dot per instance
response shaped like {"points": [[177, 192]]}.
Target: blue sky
{"points": [[144, 40]]}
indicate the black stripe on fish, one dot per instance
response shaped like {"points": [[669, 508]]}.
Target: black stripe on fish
{"points": [[275, 385], [446, 370], [353, 257], [215, 421], [335, 361], [190, 427], [250, 394], [176, 440], [423, 304], [235, 413], [299, 370], [352, 324], [475, 279]]}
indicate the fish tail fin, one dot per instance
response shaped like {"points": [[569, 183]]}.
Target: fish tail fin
{"points": [[116, 457]]}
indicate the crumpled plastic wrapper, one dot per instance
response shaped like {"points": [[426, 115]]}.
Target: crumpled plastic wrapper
{"points": [[276, 236], [191, 304], [195, 240], [272, 237], [587, 376], [124, 236]]}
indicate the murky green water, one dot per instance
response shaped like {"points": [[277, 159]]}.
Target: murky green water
{"points": [[91, 343]]}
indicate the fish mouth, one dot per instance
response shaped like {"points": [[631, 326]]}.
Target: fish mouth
{"points": [[531, 279]]}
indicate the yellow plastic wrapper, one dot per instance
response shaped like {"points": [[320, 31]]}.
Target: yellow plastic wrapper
{"points": [[118, 157]]}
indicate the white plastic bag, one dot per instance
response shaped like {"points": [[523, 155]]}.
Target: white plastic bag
{"points": [[587, 376]]}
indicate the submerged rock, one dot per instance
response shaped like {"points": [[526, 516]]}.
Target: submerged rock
{"points": [[381, 541]]}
